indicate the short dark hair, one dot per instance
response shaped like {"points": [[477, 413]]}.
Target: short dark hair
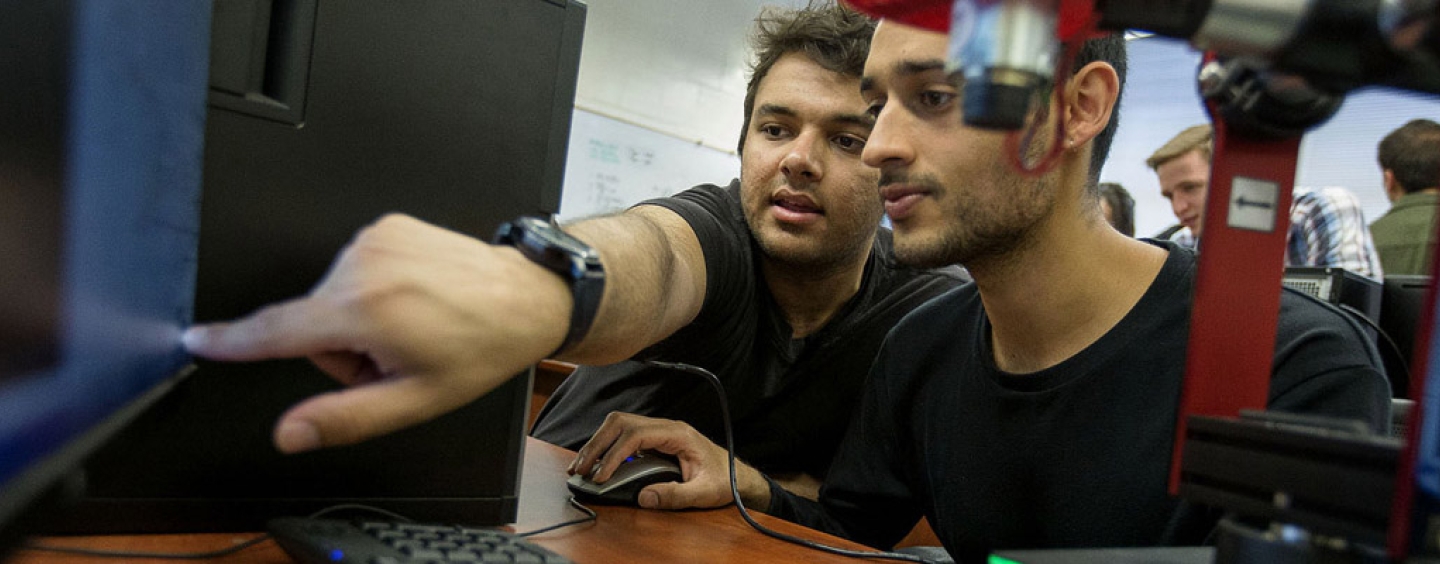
{"points": [[1412, 153], [1122, 207], [1109, 49], [833, 36]]}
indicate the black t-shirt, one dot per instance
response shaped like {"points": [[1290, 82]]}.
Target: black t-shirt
{"points": [[790, 399], [1076, 455]]}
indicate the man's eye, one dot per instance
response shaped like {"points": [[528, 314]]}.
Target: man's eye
{"points": [[772, 130], [935, 99], [849, 143], [873, 110]]}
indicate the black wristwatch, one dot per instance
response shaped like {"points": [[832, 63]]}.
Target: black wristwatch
{"points": [[546, 245]]}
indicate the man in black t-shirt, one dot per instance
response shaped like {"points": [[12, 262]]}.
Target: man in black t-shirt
{"points": [[786, 284], [790, 395], [1034, 408]]}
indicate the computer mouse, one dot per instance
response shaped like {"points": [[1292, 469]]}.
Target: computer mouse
{"points": [[623, 488]]}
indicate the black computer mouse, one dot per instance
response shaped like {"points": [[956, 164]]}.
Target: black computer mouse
{"points": [[623, 488]]}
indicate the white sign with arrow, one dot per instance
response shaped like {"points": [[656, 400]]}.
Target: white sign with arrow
{"points": [[1252, 204]]}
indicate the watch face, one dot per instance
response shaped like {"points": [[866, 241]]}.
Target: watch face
{"points": [[550, 247], [556, 238]]}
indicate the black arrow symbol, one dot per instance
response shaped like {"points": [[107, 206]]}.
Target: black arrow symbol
{"points": [[1242, 202]]}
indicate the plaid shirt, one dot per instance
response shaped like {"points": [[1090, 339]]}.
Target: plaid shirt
{"points": [[1327, 228], [1185, 238]]}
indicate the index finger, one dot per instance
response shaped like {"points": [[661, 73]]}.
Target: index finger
{"points": [[599, 442], [299, 327], [636, 434]]}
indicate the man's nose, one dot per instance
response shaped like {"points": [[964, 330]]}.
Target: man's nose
{"points": [[801, 160], [886, 145]]}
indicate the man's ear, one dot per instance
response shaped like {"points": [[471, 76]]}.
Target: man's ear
{"points": [[1392, 188], [1089, 101]]}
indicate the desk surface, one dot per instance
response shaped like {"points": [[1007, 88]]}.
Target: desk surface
{"points": [[622, 534]]}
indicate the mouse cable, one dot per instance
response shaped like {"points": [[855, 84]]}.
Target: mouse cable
{"points": [[589, 516], [102, 553], [1393, 348], [735, 486]]}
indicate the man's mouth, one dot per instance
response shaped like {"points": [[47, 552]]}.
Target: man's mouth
{"points": [[900, 200], [796, 203], [895, 192], [795, 208]]}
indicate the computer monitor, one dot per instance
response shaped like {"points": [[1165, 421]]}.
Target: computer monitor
{"points": [[323, 116], [101, 128], [1400, 306]]}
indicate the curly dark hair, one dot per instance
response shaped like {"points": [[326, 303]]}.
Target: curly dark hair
{"points": [[833, 36]]}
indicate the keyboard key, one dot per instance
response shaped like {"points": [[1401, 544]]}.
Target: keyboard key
{"points": [[462, 556], [327, 541], [422, 553]]}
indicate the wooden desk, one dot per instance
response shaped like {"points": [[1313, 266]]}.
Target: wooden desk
{"points": [[622, 534]]}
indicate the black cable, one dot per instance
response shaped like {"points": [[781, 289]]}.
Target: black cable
{"points": [[203, 555], [359, 507], [735, 487], [141, 554], [590, 516], [1394, 348]]}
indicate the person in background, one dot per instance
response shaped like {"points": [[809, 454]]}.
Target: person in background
{"points": [[780, 282], [1118, 207], [1168, 234], [1327, 225], [1036, 407], [1410, 161]]}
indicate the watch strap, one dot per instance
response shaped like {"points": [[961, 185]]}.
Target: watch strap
{"points": [[578, 264]]}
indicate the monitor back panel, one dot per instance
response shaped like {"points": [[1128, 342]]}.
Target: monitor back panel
{"points": [[324, 116], [1336, 286]]}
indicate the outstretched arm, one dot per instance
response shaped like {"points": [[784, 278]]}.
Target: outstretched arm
{"points": [[655, 281], [416, 320]]}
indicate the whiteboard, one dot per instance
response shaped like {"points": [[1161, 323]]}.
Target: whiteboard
{"points": [[611, 165]]}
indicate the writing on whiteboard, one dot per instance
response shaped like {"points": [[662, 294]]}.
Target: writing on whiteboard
{"points": [[611, 165]]}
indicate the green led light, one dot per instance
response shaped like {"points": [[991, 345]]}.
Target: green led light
{"points": [[997, 559]]}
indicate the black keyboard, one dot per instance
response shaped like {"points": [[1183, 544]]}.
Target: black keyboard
{"points": [[386, 542]]}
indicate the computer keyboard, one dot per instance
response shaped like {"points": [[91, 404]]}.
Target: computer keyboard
{"points": [[387, 542]]}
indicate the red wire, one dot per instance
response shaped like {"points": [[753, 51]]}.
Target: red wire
{"points": [[1014, 148]]}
